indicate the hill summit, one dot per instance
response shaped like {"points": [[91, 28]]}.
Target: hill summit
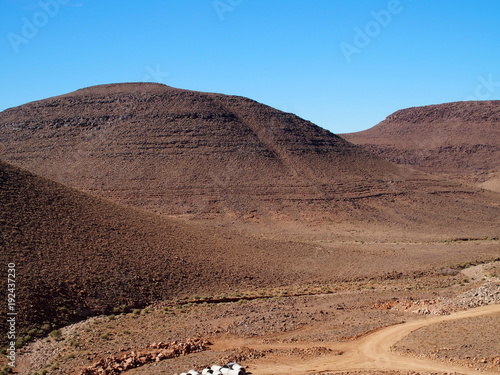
{"points": [[186, 152]]}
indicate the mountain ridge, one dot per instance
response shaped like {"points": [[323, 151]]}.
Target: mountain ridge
{"points": [[459, 139]]}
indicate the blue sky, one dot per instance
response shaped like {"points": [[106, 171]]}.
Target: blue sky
{"points": [[342, 64]]}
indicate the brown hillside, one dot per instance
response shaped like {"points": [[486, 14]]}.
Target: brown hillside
{"points": [[459, 139], [185, 152], [182, 152], [77, 255]]}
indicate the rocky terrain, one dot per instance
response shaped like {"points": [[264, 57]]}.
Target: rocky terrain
{"points": [[325, 327], [460, 140], [452, 342], [155, 353], [486, 294], [79, 255], [205, 155], [156, 229]]}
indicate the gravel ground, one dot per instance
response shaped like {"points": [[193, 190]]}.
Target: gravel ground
{"points": [[322, 318], [471, 341], [486, 294], [342, 316]]}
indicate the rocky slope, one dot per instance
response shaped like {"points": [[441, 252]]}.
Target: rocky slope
{"points": [[196, 154], [460, 139], [77, 255]]}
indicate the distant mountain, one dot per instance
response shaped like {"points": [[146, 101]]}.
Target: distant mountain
{"points": [[460, 140], [195, 154]]}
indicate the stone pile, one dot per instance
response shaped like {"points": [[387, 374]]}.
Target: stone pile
{"points": [[155, 353], [486, 294]]}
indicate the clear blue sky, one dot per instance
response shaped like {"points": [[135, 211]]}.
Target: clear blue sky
{"points": [[342, 64]]}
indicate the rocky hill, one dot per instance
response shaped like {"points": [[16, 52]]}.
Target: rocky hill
{"points": [[460, 140], [195, 154], [365, 232]]}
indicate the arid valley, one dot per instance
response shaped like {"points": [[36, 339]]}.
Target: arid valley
{"points": [[157, 230]]}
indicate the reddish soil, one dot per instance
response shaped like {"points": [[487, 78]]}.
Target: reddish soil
{"points": [[471, 340], [338, 332], [239, 223], [78, 255]]}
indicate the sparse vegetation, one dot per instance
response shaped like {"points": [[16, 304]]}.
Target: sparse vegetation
{"points": [[55, 334], [122, 309], [447, 271]]}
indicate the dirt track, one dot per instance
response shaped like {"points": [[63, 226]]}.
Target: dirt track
{"points": [[371, 352]]}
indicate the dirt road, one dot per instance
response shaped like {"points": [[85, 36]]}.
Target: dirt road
{"points": [[371, 352]]}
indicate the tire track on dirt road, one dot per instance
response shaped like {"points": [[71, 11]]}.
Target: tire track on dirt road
{"points": [[376, 348], [370, 352]]}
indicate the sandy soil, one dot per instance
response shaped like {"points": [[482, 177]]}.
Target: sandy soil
{"points": [[371, 352]]}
